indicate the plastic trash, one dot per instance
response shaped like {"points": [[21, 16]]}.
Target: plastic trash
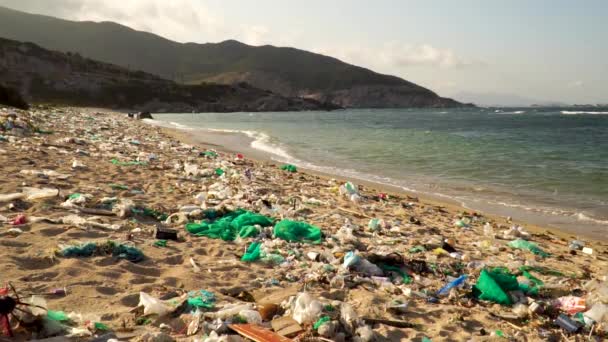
{"points": [[568, 324], [253, 252], [598, 313], [444, 291], [58, 316], [32, 194], [194, 265], [201, 299], [123, 208], [570, 304], [345, 235], [209, 154], [576, 245], [251, 316], [12, 196], [289, 168], [461, 224], [240, 222], [597, 292], [45, 173], [110, 247], [128, 163], [306, 309], [351, 191], [493, 285], [229, 311], [295, 231], [152, 305], [321, 321], [515, 232], [349, 318], [75, 200], [76, 164], [527, 245], [19, 220], [375, 224]]}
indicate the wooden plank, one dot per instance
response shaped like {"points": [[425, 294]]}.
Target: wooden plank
{"points": [[257, 333]]}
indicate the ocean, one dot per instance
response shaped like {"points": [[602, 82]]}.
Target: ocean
{"points": [[545, 166]]}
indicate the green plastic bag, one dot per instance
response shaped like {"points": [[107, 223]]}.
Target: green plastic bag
{"points": [[58, 316], [100, 326], [208, 154], [160, 243], [253, 252], [388, 268], [239, 222], [289, 168], [295, 231], [531, 246], [493, 285], [320, 322], [219, 171]]}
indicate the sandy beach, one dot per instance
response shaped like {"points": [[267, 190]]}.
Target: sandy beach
{"points": [[121, 166]]}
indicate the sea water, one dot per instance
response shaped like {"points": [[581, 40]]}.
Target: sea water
{"points": [[543, 165]]}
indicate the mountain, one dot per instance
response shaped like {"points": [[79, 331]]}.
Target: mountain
{"points": [[51, 77], [286, 71]]}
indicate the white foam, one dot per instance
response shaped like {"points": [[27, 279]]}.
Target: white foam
{"points": [[161, 123], [262, 142], [584, 217], [566, 112], [512, 113]]}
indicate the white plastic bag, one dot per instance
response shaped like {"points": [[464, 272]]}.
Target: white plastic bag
{"points": [[306, 309], [152, 305]]}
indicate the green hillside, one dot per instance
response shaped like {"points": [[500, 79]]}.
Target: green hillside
{"points": [[287, 71]]}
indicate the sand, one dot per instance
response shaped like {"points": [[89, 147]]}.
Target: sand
{"points": [[109, 287]]}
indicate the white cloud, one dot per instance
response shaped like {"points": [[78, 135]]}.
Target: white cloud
{"points": [[576, 84], [180, 20], [256, 35], [395, 55]]}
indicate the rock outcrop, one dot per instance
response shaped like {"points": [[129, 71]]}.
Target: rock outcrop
{"points": [[11, 97]]}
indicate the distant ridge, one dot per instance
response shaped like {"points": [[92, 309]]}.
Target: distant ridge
{"points": [[52, 77], [286, 71]]}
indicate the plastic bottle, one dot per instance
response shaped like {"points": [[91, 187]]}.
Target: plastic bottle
{"points": [[251, 316], [488, 230], [444, 291]]}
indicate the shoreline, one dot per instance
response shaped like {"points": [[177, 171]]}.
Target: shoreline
{"points": [[204, 137]]}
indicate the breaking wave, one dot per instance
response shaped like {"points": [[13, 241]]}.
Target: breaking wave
{"points": [[568, 112]]}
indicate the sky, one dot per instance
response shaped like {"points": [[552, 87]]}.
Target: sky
{"points": [[516, 50]]}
